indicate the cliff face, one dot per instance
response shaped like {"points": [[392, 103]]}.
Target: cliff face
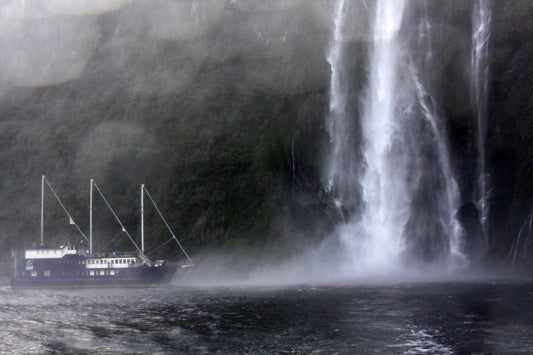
{"points": [[510, 126], [219, 108]]}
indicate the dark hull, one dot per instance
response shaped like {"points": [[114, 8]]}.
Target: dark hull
{"points": [[135, 277]]}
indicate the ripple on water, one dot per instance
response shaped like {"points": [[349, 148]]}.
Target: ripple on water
{"points": [[363, 319]]}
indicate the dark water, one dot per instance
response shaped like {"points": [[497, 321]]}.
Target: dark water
{"points": [[490, 317]]}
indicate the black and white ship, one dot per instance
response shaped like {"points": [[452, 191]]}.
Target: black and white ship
{"points": [[76, 266]]}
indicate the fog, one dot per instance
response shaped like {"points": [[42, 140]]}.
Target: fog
{"points": [[321, 266], [51, 42]]}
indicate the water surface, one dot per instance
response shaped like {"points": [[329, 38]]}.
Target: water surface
{"points": [[405, 318]]}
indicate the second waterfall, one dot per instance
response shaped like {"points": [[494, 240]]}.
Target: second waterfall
{"points": [[388, 170]]}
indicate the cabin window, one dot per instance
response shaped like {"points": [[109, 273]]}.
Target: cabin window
{"points": [[33, 274], [92, 273], [47, 273], [112, 272], [102, 272]]}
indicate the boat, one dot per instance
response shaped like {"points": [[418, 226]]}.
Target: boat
{"points": [[75, 266]]}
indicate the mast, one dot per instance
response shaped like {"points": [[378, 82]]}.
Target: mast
{"points": [[139, 252], [91, 219], [142, 218], [42, 210]]}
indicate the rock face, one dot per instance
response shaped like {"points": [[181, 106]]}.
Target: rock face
{"points": [[223, 117]]}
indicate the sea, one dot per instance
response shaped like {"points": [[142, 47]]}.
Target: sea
{"points": [[490, 316]]}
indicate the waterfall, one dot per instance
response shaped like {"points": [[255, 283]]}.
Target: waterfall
{"points": [[399, 191], [479, 94]]}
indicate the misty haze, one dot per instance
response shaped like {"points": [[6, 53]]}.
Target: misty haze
{"points": [[282, 176]]}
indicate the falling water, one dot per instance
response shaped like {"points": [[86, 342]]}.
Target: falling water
{"points": [[384, 183], [403, 178], [342, 170], [480, 73]]}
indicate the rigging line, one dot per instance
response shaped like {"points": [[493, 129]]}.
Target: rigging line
{"points": [[71, 220], [168, 227], [111, 241], [116, 217], [162, 245]]}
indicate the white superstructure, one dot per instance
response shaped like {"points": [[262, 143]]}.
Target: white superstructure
{"points": [[43, 253]]}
